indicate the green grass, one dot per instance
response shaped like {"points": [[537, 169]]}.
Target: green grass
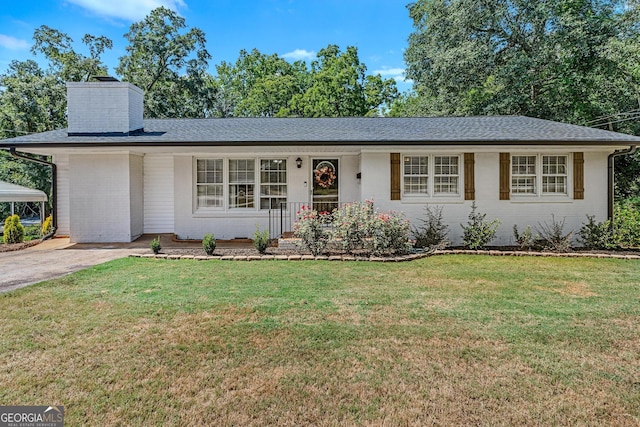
{"points": [[446, 340]]}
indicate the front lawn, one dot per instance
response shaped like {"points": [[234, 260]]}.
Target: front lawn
{"points": [[448, 340]]}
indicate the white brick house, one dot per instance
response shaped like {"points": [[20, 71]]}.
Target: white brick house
{"points": [[120, 176]]}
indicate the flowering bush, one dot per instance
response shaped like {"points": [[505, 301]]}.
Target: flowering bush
{"points": [[388, 233], [351, 224], [312, 228], [355, 226]]}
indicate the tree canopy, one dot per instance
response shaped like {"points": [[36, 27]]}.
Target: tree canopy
{"points": [[556, 59]]}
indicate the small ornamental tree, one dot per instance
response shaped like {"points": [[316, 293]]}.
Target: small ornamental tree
{"points": [[478, 232], [432, 233], [13, 230]]}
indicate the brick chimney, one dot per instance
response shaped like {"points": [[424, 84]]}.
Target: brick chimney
{"points": [[104, 108]]}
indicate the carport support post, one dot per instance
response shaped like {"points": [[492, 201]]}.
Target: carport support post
{"points": [[12, 208]]}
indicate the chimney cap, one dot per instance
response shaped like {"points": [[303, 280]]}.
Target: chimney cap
{"points": [[105, 79]]}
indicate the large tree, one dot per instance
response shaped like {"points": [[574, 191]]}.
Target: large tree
{"points": [[574, 61], [33, 99], [340, 87], [539, 58], [259, 85], [169, 64]]}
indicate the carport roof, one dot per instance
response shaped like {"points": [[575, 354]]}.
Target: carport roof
{"points": [[17, 193]]}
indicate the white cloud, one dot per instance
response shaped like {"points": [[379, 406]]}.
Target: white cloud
{"points": [[131, 10], [299, 54], [13, 43], [395, 73]]}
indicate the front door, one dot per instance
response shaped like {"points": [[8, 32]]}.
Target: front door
{"points": [[325, 185]]}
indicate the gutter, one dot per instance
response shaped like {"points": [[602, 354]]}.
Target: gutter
{"points": [[54, 186], [611, 193]]}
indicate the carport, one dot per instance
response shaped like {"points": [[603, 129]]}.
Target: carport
{"points": [[12, 193]]}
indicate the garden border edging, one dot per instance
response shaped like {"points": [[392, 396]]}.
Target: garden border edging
{"points": [[409, 257]]}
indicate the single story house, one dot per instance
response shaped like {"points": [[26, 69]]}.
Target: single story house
{"points": [[120, 176]]}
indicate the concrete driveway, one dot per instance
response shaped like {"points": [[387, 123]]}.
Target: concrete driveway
{"points": [[50, 259]]}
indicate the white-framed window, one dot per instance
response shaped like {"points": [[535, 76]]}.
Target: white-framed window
{"points": [[242, 179], [446, 174], [528, 178], [416, 175], [523, 174], [430, 175], [554, 174], [249, 183], [273, 183], [209, 183]]}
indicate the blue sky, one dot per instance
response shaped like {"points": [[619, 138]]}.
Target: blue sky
{"points": [[294, 29]]}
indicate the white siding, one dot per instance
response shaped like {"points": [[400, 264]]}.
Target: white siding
{"points": [[136, 195], [100, 198], [158, 194], [62, 202], [521, 211]]}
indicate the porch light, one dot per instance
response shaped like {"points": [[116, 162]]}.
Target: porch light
{"points": [[299, 162]]}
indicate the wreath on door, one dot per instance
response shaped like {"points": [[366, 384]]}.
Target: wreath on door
{"points": [[325, 174]]}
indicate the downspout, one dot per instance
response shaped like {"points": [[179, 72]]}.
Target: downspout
{"points": [[54, 185], [611, 193]]}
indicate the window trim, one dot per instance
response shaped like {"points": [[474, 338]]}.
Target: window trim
{"points": [[431, 194], [261, 183], [539, 194], [197, 184], [226, 183]]}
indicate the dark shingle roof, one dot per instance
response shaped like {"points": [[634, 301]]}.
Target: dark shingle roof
{"points": [[341, 131]]}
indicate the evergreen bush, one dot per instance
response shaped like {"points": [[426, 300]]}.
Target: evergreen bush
{"points": [[13, 230], [432, 233], [261, 240], [155, 245], [209, 244], [478, 232], [47, 225]]}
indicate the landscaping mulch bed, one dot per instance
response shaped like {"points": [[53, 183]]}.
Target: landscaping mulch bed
{"points": [[290, 254], [18, 246]]}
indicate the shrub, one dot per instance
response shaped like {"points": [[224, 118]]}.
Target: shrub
{"points": [[478, 232], [553, 237], [261, 240], [626, 225], [209, 244], [432, 233], [525, 240], [155, 245], [47, 225], [596, 235], [387, 233], [311, 228], [32, 232], [13, 230], [350, 224]]}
